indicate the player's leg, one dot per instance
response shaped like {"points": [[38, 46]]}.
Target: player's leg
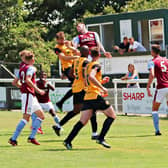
{"points": [[19, 128], [110, 113], [33, 117], [36, 108], [67, 117], [93, 121], [77, 105], [60, 103], [26, 110], [159, 96], [155, 116], [85, 116]]}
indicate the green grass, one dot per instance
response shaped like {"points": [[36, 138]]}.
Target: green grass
{"points": [[132, 138]]}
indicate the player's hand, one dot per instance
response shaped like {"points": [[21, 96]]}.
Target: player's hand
{"points": [[104, 92], [106, 79], [41, 92], [108, 54], [149, 92]]}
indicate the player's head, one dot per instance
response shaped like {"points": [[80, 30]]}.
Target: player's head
{"points": [[60, 37], [131, 67], [28, 56], [95, 53], [29, 59], [81, 28], [43, 75], [84, 50], [155, 50], [23, 53]]}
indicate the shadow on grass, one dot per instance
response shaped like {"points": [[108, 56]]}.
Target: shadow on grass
{"points": [[77, 149], [49, 140], [5, 146], [131, 136]]}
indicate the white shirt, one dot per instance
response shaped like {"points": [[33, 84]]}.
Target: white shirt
{"points": [[137, 46]]}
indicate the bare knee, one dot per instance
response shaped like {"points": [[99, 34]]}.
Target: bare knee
{"points": [[110, 112]]}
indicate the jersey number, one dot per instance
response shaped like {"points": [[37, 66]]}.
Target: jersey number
{"points": [[76, 70], [23, 76], [163, 66]]}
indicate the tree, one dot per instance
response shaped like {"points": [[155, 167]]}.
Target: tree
{"points": [[139, 5]]}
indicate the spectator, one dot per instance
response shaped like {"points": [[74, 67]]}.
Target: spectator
{"points": [[135, 46], [123, 47], [132, 74]]}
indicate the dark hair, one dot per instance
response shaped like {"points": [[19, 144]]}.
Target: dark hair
{"points": [[156, 48], [125, 38], [60, 35], [94, 52]]}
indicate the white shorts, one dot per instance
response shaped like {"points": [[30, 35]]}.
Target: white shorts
{"points": [[30, 104], [47, 106], [160, 94]]}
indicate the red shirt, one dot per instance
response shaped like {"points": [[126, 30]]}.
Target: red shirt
{"points": [[161, 71], [23, 72], [87, 39], [43, 98], [21, 64]]}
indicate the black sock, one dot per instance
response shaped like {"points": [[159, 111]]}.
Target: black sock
{"points": [[67, 117], [77, 127], [93, 122], [66, 96], [106, 125]]}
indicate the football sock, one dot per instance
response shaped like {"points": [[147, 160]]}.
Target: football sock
{"points": [[67, 117], [93, 122], [35, 126], [19, 128], [77, 127], [155, 117], [33, 117], [57, 121], [106, 125], [66, 96]]}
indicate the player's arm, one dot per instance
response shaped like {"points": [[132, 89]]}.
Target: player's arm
{"points": [[32, 85], [151, 77], [75, 42], [50, 86], [62, 56], [31, 70], [100, 46], [16, 82], [66, 58], [69, 44], [93, 79], [84, 72]]}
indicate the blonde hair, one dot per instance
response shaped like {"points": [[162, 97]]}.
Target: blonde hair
{"points": [[25, 53]]}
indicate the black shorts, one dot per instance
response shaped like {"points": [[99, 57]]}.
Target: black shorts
{"points": [[67, 73], [78, 97], [97, 104]]}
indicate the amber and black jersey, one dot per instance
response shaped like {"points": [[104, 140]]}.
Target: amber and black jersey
{"points": [[79, 82], [67, 52], [92, 90]]}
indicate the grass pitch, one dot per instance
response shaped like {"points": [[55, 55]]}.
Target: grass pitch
{"points": [[132, 139]]}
